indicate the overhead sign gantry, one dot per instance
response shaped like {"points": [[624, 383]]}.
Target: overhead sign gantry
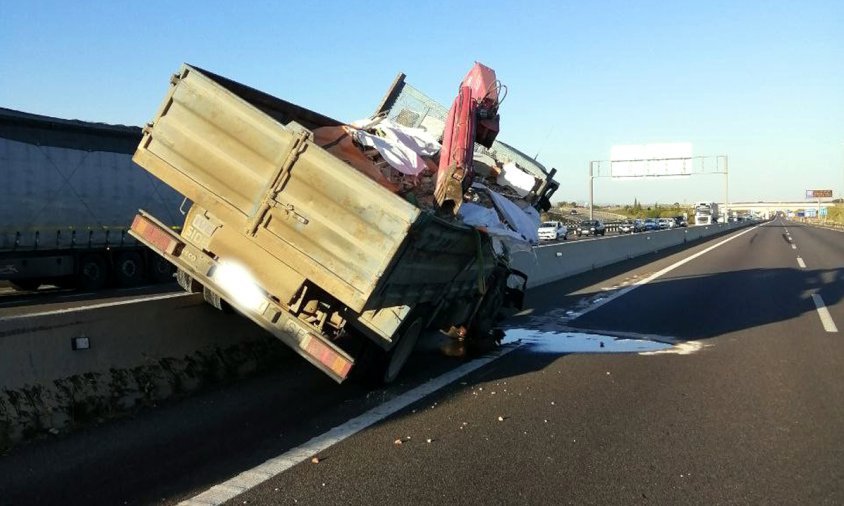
{"points": [[639, 161]]}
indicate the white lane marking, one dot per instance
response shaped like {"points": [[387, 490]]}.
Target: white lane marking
{"points": [[637, 284], [793, 246], [94, 306], [823, 312], [251, 478], [801, 263]]}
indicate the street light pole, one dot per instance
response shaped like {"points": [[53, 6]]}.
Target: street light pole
{"points": [[726, 189], [591, 184]]}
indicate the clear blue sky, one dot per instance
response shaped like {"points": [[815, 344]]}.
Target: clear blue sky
{"points": [[759, 81]]}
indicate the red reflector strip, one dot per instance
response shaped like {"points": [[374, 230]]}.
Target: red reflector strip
{"points": [[157, 236], [327, 356]]}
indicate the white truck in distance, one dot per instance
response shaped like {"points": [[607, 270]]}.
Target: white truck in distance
{"points": [[706, 213]]}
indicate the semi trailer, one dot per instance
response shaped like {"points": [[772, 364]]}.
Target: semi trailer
{"points": [[70, 191]]}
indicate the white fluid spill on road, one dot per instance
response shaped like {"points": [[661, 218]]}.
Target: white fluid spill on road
{"points": [[580, 342], [686, 348]]}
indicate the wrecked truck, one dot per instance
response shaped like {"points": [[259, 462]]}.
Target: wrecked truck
{"points": [[290, 224]]}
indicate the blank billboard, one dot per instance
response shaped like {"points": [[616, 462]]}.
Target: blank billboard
{"points": [[651, 160]]}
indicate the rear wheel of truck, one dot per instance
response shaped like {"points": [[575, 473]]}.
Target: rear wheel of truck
{"points": [[129, 269], [187, 282], [216, 301], [92, 273], [397, 357], [376, 367]]}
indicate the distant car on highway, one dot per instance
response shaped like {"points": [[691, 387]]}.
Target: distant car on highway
{"points": [[591, 227], [638, 225], [649, 225], [553, 231], [679, 221], [627, 227], [665, 223]]}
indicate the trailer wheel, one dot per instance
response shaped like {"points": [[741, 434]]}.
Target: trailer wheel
{"points": [[92, 273], [129, 269], [160, 270], [25, 285]]}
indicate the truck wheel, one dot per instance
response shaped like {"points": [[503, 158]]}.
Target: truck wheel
{"points": [[129, 269], [376, 367], [214, 300], [25, 285], [187, 282], [92, 273], [160, 270], [397, 357]]}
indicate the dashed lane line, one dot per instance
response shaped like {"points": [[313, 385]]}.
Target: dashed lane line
{"points": [[823, 312], [801, 263]]}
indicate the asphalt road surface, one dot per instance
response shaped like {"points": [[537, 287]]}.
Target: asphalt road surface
{"points": [[707, 375]]}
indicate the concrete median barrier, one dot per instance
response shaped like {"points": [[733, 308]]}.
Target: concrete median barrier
{"points": [[125, 356], [546, 264]]}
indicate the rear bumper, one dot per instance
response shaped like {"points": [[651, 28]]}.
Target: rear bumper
{"points": [[305, 340]]}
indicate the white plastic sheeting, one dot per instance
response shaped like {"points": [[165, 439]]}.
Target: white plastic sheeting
{"points": [[524, 221], [477, 215], [417, 138], [514, 177], [507, 220], [402, 147]]}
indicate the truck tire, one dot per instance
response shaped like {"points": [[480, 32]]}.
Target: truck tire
{"points": [[215, 301], [129, 269], [92, 273], [376, 367], [160, 270], [187, 282], [398, 355]]}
